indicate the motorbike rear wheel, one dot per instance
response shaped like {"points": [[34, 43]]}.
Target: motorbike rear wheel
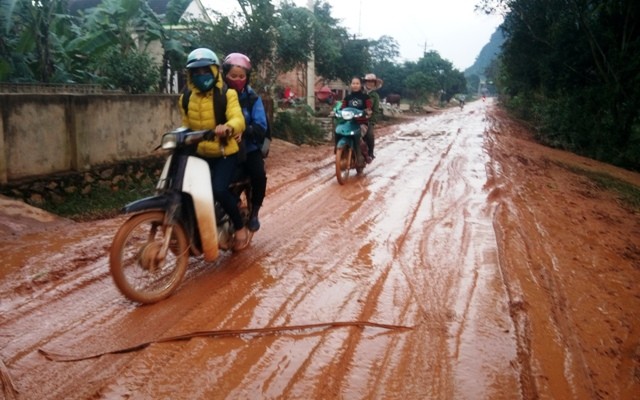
{"points": [[344, 157], [137, 267]]}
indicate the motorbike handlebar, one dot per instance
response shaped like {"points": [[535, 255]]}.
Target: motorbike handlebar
{"points": [[195, 137], [186, 137]]}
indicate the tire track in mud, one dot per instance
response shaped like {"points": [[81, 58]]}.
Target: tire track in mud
{"points": [[84, 285], [298, 249], [440, 367], [529, 281], [345, 219], [444, 314], [305, 289], [396, 250], [326, 252], [413, 167], [514, 291], [442, 207], [86, 314], [379, 279]]}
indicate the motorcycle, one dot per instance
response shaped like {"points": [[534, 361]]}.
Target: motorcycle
{"points": [[351, 150], [150, 251]]}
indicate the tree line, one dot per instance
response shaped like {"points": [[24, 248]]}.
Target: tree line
{"points": [[571, 68], [47, 41]]}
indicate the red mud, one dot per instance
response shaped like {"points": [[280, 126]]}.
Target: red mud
{"points": [[468, 262]]}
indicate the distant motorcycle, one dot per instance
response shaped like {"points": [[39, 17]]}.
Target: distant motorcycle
{"points": [[150, 251], [351, 150]]}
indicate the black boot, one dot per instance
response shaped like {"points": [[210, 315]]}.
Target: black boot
{"points": [[254, 222]]}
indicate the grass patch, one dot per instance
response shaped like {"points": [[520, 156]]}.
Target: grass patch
{"points": [[89, 195], [297, 127], [629, 194], [102, 202]]}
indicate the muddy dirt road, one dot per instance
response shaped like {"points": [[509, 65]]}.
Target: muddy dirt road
{"points": [[467, 263]]}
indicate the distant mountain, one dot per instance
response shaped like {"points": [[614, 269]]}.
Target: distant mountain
{"points": [[488, 53]]}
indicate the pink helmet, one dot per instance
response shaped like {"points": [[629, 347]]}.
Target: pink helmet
{"points": [[238, 60]]}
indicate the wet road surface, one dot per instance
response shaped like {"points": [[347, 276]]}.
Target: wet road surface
{"points": [[437, 274]]}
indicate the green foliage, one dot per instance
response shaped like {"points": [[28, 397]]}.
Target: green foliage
{"points": [[119, 23], [107, 190], [429, 76], [295, 30], [577, 63], [356, 59], [329, 42], [33, 39], [134, 72], [43, 43], [297, 126], [102, 202], [384, 50]]}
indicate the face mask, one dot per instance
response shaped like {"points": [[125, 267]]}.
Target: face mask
{"points": [[237, 84], [203, 82]]}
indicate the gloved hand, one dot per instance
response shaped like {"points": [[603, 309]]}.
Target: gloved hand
{"points": [[254, 133]]}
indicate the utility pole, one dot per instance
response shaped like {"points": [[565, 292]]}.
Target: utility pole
{"points": [[311, 75], [426, 46], [360, 19]]}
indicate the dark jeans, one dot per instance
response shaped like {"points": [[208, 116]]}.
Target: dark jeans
{"points": [[254, 168], [369, 139], [222, 171]]}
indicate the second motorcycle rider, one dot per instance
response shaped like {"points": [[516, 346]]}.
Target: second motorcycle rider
{"points": [[236, 69]]}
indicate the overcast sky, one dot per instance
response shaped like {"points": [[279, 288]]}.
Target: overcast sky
{"points": [[450, 27]]}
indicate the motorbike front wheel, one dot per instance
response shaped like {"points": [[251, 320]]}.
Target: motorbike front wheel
{"points": [[148, 259], [344, 156]]}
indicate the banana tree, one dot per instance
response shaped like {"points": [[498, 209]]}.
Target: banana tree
{"points": [[33, 41]]}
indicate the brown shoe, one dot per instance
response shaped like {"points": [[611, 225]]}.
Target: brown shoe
{"points": [[241, 239]]}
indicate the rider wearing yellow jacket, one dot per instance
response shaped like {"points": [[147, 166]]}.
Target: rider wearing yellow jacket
{"points": [[199, 112]]}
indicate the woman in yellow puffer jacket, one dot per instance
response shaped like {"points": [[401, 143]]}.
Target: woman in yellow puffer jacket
{"points": [[203, 77]]}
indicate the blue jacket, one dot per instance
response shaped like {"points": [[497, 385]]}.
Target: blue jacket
{"points": [[255, 119]]}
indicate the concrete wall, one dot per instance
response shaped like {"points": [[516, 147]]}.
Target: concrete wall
{"points": [[41, 134]]}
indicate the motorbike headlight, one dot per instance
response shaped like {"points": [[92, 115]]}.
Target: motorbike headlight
{"points": [[169, 140], [347, 114]]}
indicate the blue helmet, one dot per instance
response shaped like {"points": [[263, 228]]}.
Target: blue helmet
{"points": [[202, 57]]}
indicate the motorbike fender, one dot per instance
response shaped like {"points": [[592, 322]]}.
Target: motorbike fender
{"points": [[162, 182], [347, 129], [197, 183], [147, 203], [345, 141]]}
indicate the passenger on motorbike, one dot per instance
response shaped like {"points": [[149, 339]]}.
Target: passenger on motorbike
{"points": [[362, 101], [371, 86], [221, 152], [236, 69]]}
